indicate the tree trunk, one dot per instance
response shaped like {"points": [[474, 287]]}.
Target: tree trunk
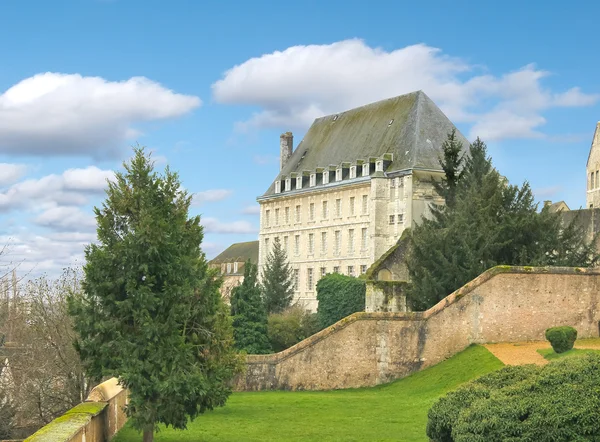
{"points": [[149, 435]]}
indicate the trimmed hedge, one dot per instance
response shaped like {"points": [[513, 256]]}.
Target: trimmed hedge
{"points": [[554, 403], [339, 296], [561, 338]]}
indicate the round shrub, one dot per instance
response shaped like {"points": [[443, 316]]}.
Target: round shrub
{"points": [[561, 338], [339, 296], [554, 403]]}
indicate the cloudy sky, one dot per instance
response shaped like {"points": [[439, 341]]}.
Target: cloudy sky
{"points": [[209, 86]]}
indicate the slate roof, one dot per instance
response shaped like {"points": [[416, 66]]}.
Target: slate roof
{"points": [[414, 137], [238, 252]]}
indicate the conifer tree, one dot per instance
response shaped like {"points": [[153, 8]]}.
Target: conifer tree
{"points": [[490, 223], [150, 313], [249, 314], [277, 280], [452, 165]]}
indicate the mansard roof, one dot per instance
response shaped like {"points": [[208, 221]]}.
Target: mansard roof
{"points": [[410, 127], [238, 252]]}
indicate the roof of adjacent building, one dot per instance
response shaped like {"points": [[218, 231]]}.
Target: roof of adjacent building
{"points": [[411, 127], [238, 252]]}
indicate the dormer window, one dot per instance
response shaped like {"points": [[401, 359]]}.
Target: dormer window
{"points": [[365, 169], [379, 166], [288, 184], [299, 182], [338, 174], [235, 267], [326, 177], [313, 180], [352, 172], [228, 267], [277, 186]]}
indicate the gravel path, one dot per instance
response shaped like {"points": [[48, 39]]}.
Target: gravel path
{"points": [[520, 353]]}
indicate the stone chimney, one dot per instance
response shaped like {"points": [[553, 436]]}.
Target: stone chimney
{"points": [[547, 203], [286, 145]]}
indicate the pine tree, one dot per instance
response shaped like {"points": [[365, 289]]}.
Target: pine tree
{"points": [[150, 312], [490, 223], [452, 165], [277, 280], [249, 314]]}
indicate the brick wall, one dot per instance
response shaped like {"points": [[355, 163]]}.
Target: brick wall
{"points": [[504, 304]]}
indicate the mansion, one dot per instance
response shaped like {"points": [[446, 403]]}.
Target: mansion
{"points": [[356, 181]]}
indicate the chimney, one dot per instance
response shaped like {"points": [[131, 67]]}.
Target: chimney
{"points": [[547, 203], [286, 145]]}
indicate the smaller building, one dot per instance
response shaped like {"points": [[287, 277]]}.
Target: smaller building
{"points": [[231, 263]]}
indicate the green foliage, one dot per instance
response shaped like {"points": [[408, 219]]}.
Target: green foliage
{"points": [[290, 327], [451, 163], [554, 403], [249, 314], [561, 338], [392, 412], [150, 312], [339, 296], [277, 280], [490, 223]]}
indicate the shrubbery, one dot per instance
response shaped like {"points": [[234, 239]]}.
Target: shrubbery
{"points": [[339, 296], [554, 403], [561, 338], [290, 327]]}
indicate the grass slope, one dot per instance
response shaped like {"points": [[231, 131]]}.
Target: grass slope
{"points": [[395, 411], [551, 355]]}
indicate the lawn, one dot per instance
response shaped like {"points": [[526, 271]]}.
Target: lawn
{"points": [[550, 355], [395, 411]]}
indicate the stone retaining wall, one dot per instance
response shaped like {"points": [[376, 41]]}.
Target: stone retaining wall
{"points": [[504, 304]]}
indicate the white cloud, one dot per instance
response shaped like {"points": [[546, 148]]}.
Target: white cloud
{"points": [[68, 114], [251, 210], [301, 83], [265, 159], [66, 218], [71, 188], [211, 195], [213, 225], [9, 173], [545, 192]]}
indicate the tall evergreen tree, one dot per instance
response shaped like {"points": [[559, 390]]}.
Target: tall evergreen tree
{"points": [[452, 164], [249, 314], [150, 312], [491, 223], [277, 280]]}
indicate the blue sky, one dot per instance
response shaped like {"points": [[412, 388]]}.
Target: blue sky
{"points": [[209, 86]]}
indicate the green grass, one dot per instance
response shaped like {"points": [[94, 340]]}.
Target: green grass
{"points": [[550, 355], [395, 411]]}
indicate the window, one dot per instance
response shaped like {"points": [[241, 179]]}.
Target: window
{"points": [[311, 211], [323, 271], [597, 183], [338, 207], [338, 242], [400, 218], [363, 269], [325, 211], [266, 246], [350, 240], [297, 214], [352, 171], [352, 206], [277, 186], [326, 177], [363, 239], [235, 267], [285, 244], [365, 204], [392, 188], [288, 184], [313, 180], [299, 182], [276, 217], [338, 174], [365, 169], [297, 244], [392, 218], [592, 180], [228, 267], [287, 215], [350, 270], [311, 243], [296, 279], [336, 269], [267, 217], [309, 279], [323, 242]]}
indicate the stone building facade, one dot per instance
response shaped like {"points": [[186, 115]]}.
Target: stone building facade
{"points": [[231, 263], [593, 172], [357, 180]]}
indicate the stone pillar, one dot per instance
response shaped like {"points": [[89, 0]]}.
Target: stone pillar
{"points": [[286, 147], [378, 205]]}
